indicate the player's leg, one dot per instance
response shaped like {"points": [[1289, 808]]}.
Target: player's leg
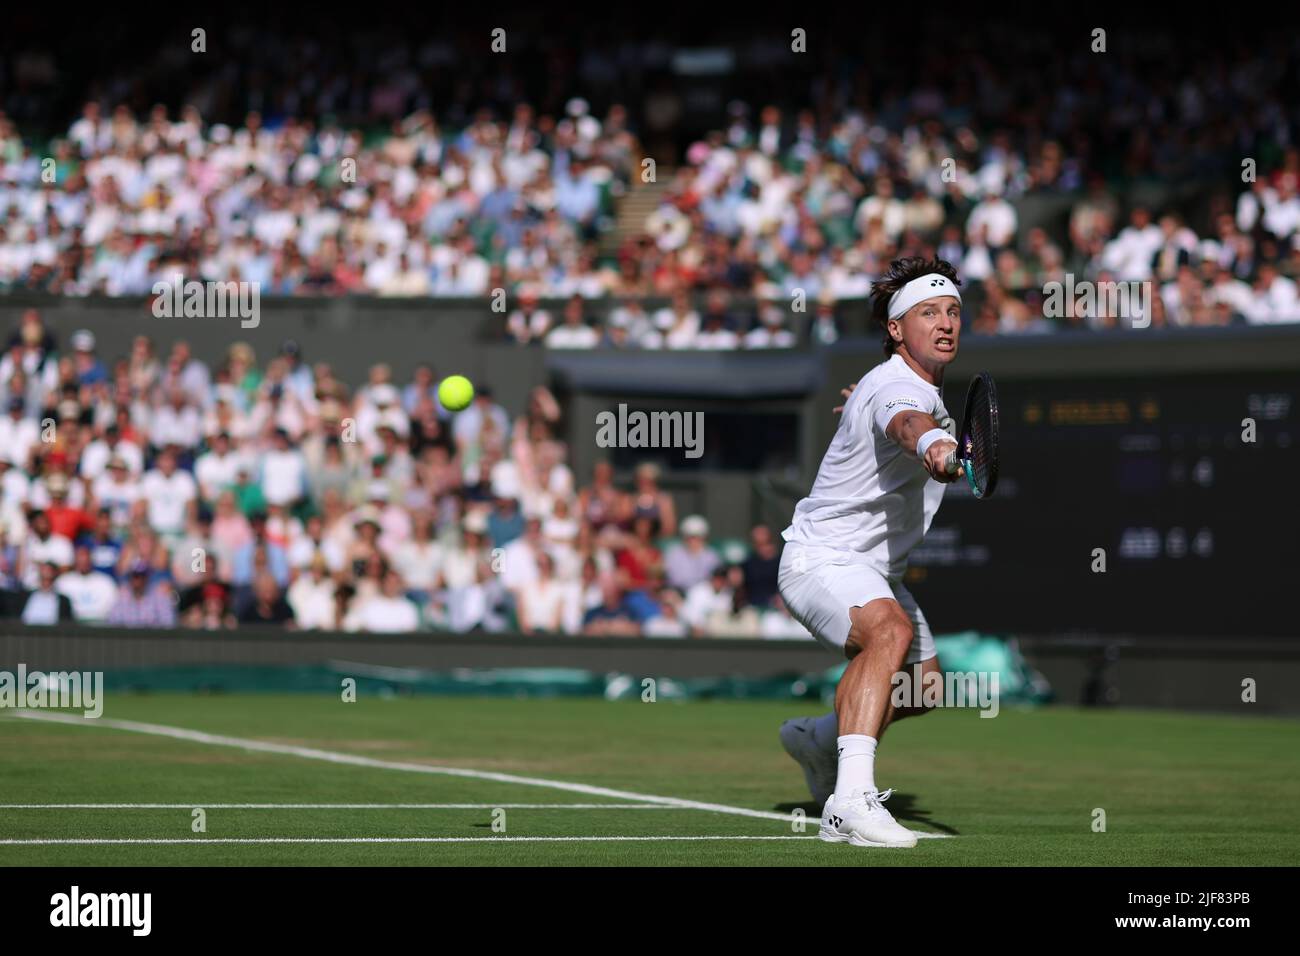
{"points": [[920, 669], [810, 741], [919, 677], [839, 603], [823, 732], [880, 636]]}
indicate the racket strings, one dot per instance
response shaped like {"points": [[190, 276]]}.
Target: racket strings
{"points": [[980, 441]]}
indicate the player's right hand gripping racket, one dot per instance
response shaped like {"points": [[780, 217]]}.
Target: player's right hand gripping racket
{"points": [[977, 442]]}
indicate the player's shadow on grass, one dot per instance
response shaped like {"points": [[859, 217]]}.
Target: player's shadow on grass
{"points": [[902, 805]]}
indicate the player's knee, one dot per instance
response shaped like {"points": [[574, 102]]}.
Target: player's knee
{"points": [[896, 635], [891, 634]]}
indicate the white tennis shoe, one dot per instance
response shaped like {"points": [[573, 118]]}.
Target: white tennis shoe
{"points": [[861, 820], [820, 766]]}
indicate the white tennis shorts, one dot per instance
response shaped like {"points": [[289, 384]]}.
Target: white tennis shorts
{"points": [[819, 586]]}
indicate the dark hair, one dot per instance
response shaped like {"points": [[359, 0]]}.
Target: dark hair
{"points": [[901, 272]]}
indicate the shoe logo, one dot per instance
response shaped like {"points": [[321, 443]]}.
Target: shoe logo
{"points": [[836, 821], [839, 751]]}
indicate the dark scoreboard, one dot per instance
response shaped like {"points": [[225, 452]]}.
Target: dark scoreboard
{"points": [[1185, 489]]}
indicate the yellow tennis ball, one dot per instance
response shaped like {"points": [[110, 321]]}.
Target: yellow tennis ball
{"points": [[456, 392]]}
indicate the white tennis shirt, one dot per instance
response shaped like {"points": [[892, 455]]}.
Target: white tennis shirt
{"points": [[871, 503]]}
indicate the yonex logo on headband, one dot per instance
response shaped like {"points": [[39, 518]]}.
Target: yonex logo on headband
{"points": [[918, 290]]}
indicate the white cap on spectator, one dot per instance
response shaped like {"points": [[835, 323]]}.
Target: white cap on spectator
{"points": [[383, 395], [476, 522], [695, 526], [83, 340]]}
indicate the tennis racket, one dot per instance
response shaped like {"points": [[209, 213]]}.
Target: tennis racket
{"points": [[977, 443]]}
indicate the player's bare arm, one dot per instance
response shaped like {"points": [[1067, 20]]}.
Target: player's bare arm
{"points": [[906, 430]]}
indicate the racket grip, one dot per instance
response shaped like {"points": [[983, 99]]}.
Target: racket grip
{"points": [[950, 464]]}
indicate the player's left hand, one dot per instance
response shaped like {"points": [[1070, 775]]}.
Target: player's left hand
{"points": [[846, 392], [936, 461]]}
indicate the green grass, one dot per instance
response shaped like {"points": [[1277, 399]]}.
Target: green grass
{"points": [[1016, 790]]}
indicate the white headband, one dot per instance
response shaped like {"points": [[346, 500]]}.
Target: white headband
{"points": [[918, 290]]}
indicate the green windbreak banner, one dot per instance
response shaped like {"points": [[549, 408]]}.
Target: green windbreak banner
{"points": [[977, 661]]}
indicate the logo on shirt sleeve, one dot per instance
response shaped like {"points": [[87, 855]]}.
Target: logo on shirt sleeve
{"points": [[902, 401]]}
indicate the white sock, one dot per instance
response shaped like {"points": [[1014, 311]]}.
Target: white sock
{"points": [[825, 730], [857, 771]]}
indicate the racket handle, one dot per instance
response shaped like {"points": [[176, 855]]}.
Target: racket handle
{"points": [[951, 464]]}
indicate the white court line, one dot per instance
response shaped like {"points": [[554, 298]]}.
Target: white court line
{"points": [[334, 806], [333, 756], [189, 841]]}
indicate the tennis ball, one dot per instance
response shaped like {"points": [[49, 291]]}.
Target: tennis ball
{"points": [[455, 392]]}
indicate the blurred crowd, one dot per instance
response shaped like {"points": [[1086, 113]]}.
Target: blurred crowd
{"points": [[756, 236], [161, 490], [792, 209], [125, 202]]}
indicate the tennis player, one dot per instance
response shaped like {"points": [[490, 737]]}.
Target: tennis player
{"points": [[841, 573]]}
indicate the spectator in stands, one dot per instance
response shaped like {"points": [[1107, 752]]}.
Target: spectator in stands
{"points": [[167, 490], [613, 617], [267, 604], [258, 555], [760, 567], [544, 603], [388, 612], [691, 561], [529, 322], [45, 604], [105, 546], [826, 326], [311, 596], [469, 576], [42, 546], [601, 503], [141, 604], [771, 331], [212, 611], [573, 332], [705, 598], [668, 622], [679, 324], [648, 500], [66, 520], [639, 562], [735, 617]]}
